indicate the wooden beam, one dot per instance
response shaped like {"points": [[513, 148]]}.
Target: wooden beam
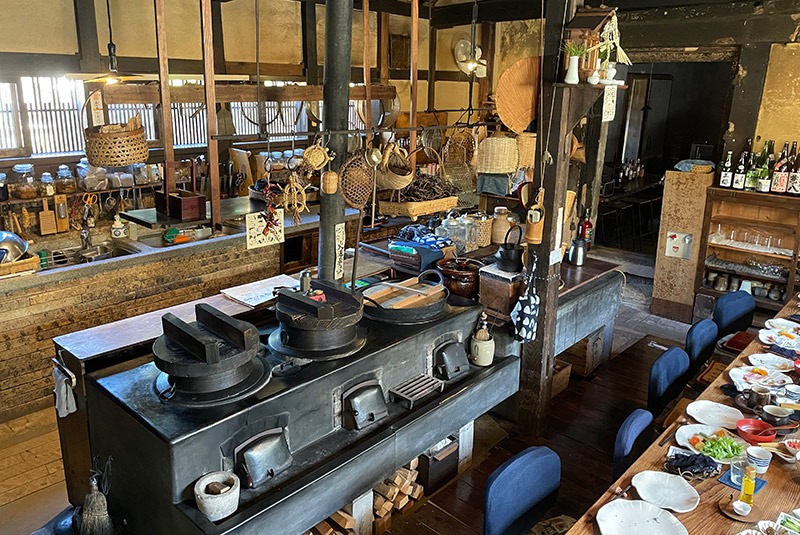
{"points": [[488, 11], [432, 39], [393, 7], [748, 87], [727, 23], [268, 70], [149, 94], [88, 41], [414, 81], [218, 37], [366, 61], [206, 26], [24, 64], [167, 136]]}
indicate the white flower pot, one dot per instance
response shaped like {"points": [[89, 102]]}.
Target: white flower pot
{"points": [[572, 71], [594, 78], [611, 70]]}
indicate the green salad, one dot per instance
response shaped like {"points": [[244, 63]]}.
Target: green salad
{"points": [[717, 446]]}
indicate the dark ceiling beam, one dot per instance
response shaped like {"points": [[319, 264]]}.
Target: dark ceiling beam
{"points": [[624, 5], [488, 11], [25, 64], [88, 41], [730, 23], [382, 6]]}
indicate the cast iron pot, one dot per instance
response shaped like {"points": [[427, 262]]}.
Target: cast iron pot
{"points": [[460, 275], [509, 255], [411, 315]]}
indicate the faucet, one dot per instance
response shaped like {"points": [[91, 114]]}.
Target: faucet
{"points": [[86, 238]]}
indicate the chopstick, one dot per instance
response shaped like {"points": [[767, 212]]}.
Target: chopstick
{"points": [[675, 425], [617, 494]]}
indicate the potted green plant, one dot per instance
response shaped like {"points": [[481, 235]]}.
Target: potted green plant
{"points": [[574, 51]]}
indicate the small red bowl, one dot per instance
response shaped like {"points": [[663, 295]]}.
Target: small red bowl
{"points": [[749, 426]]}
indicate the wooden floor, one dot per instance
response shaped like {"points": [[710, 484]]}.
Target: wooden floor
{"points": [[583, 426]]}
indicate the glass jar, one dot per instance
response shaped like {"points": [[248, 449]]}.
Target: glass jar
{"points": [[23, 182], [3, 187], [65, 182], [47, 188], [500, 225], [278, 162]]}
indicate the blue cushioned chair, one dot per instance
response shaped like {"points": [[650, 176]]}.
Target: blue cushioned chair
{"points": [[520, 491], [665, 378], [628, 433], [701, 340], [734, 312]]}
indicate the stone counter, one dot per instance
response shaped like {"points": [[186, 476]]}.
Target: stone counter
{"points": [[35, 308]]}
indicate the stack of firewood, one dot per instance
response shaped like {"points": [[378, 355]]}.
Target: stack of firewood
{"points": [[397, 493], [339, 523]]}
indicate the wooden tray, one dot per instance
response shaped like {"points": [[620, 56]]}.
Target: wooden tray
{"points": [[416, 209], [27, 263]]}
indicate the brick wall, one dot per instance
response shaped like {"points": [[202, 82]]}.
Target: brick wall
{"points": [[31, 316]]}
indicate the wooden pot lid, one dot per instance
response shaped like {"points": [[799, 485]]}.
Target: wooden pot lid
{"points": [[517, 94]]}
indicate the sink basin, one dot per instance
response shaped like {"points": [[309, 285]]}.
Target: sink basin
{"points": [[99, 251]]}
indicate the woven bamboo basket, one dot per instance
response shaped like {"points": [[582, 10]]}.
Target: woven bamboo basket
{"points": [[498, 155], [115, 149], [416, 209], [394, 171], [484, 232], [702, 168], [27, 263], [460, 147], [526, 146]]}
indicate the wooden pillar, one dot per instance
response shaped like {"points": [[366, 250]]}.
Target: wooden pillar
{"points": [[383, 48], [414, 79], [486, 84], [88, 42], [308, 18], [596, 138], [538, 356], [753, 61], [366, 60], [166, 100], [206, 23], [432, 39]]}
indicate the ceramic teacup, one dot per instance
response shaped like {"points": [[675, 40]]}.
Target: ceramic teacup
{"points": [[757, 396], [775, 415], [759, 458], [792, 392]]}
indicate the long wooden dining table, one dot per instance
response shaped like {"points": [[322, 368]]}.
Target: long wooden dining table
{"points": [[781, 494]]}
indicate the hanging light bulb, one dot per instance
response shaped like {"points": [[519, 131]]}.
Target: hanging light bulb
{"points": [[113, 75]]}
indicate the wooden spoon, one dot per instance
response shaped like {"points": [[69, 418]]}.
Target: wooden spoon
{"points": [[776, 428]]}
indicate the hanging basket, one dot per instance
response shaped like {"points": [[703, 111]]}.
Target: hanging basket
{"points": [[460, 147], [526, 146], [394, 171], [115, 149], [498, 155]]}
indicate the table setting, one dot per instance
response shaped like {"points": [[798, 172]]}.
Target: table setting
{"points": [[729, 464]]}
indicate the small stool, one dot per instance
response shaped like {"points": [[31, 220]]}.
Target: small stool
{"points": [[644, 215], [625, 210]]}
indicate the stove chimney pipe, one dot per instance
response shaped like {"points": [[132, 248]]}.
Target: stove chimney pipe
{"points": [[335, 98]]}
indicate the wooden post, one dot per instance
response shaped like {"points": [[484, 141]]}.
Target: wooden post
{"points": [[308, 18], [206, 23], [88, 42], [367, 78], [432, 39], [414, 82], [383, 49], [487, 44], [167, 138]]}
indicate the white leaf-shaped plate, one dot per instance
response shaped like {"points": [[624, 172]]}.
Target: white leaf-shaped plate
{"points": [[771, 362], [713, 413], [626, 517], [744, 377], [665, 490], [782, 324], [686, 432], [780, 338]]}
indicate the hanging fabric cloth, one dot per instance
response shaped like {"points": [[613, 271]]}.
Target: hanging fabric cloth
{"points": [[526, 311]]}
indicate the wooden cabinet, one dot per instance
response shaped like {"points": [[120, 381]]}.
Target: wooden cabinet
{"points": [[751, 237]]}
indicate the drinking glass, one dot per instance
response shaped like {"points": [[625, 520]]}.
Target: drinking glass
{"points": [[737, 469]]}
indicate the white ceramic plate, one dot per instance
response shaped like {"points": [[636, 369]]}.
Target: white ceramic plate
{"points": [[771, 362], [781, 324], [780, 338], [763, 525], [686, 432], [626, 517], [744, 377], [714, 414], [665, 490]]}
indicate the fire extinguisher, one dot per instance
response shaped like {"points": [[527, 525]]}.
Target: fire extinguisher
{"points": [[586, 230]]}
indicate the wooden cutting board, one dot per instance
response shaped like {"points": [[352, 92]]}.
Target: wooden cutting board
{"points": [[47, 220]]}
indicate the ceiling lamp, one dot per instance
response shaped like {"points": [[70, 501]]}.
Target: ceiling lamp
{"points": [[113, 75], [468, 53]]}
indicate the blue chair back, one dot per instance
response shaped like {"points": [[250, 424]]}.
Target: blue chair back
{"points": [[733, 312], [521, 490], [665, 375], [629, 431], [701, 340]]}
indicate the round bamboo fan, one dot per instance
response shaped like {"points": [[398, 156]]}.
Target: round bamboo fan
{"points": [[518, 94]]}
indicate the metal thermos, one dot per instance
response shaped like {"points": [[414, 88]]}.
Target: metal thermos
{"points": [[577, 252]]}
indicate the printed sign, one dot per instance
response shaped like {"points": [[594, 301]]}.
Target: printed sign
{"points": [[256, 237], [341, 236], [609, 103]]}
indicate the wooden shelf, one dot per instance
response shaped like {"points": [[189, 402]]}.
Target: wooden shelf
{"points": [[745, 275], [760, 301], [758, 253], [38, 200], [731, 220]]}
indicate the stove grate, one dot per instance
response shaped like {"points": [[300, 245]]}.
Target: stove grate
{"points": [[415, 389]]}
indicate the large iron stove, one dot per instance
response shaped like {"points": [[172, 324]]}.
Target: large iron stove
{"points": [[304, 443]]}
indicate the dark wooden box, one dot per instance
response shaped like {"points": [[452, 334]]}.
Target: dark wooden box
{"points": [[435, 471], [500, 293], [183, 205]]}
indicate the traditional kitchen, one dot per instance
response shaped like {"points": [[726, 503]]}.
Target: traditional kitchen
{"points": [[399, 267]]}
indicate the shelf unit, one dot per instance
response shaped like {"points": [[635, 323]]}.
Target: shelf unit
{"points": [[748, 212]]}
